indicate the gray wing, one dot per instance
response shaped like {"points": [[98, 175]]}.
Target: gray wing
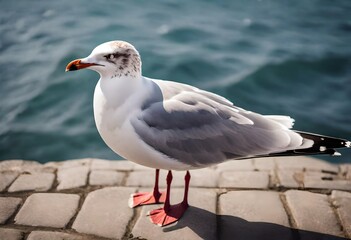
{"points": [[200, 128]]}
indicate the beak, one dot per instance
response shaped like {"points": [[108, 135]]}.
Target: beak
{"points": [[77, 64]]}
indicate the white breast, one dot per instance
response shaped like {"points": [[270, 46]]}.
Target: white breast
{"points": [[115, 129]]}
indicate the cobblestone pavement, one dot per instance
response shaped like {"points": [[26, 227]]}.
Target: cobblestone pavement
{"points": [[272, 198]]}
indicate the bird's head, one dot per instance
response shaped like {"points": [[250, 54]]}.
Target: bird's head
{"points": [[113, 59]]}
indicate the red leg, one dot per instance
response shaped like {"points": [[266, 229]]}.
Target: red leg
{"points": [[145, 198], [171, 213]]}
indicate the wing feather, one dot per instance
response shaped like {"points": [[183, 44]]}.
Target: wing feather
{"points": [[200, 129]]}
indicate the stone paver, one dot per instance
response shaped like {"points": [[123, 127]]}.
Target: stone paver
{"points": [[105, 213], [287, 178], [345, 169], [105, 177], [319, 180], [138, 167], [72, 177], [100, 164], [45, 235], [308, 163], [325, 184], [147, 179], [199, 178], [206, 177], [342, 201], [11, 234], [199, 222], [264, 164], [20, 166], [13, 165], [252, 215], [85, 162], [6, 178], [8, 205], [304, 205], [236, 165], [48, 210], [38, 181], [248, 199], [244, 180]]}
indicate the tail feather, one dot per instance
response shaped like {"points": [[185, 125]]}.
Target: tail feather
{"points": [[321, 145]]}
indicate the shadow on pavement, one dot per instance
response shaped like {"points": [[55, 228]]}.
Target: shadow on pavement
{"points": [[236, 228]]}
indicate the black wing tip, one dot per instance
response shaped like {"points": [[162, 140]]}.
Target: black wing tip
{"points": [[321, 141], [305, 152], [323, 145]]}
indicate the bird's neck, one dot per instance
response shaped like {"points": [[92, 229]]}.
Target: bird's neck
{"points": [[118, 90]]}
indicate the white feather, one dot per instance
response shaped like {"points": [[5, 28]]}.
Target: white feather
{"points": [[283, 120]]}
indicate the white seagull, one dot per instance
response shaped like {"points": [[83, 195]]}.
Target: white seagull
{"points": [[173, 126]]}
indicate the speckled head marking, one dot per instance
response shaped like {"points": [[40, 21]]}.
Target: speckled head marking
{"points": [[116, 59]]}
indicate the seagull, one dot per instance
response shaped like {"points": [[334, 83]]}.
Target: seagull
{"points": [[172, 126]]}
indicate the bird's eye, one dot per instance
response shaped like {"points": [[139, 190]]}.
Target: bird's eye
{"points": [[110, 56]]}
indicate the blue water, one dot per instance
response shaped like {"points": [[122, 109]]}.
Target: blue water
{"points": [[273, 57]]}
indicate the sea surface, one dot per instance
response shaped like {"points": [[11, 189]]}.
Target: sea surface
{"points": [[274, 57]]}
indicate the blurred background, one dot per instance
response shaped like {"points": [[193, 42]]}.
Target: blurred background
{"points": [[274, 57]]}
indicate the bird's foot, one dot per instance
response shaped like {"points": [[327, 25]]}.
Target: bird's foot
{"points": [[146, 198], [162, 218]]}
